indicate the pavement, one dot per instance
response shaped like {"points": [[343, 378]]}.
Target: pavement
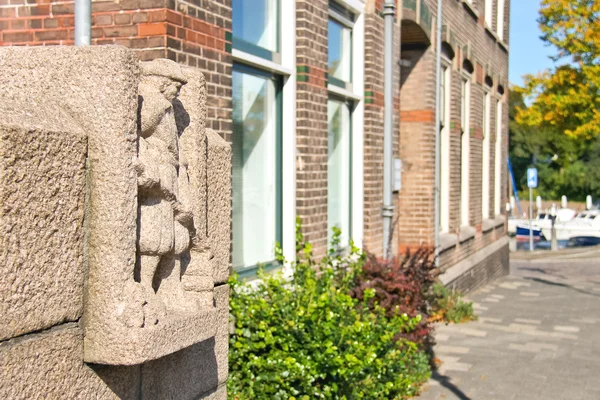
{"points": [[537, 336]]}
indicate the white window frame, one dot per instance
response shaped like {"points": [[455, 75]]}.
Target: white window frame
{"points": [[500, 20], [465, 148], [445, 148], [357, 116], [485, 157], [498, 159], [287, 69], [489, 10]]}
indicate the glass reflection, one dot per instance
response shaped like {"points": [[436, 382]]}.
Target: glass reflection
{"points": [[254, 168]]}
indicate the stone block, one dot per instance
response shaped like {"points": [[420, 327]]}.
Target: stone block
{"points": [[219, 204], [153, 196], [50, 365], [42, 191], [162, 378]]}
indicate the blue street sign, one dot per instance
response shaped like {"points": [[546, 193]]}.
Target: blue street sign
{"points": [[532, 178]]}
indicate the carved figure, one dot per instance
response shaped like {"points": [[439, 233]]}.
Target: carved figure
{"points": [[165, 223]]}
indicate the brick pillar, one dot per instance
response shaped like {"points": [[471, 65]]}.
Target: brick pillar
{"points": [[311, 131]]}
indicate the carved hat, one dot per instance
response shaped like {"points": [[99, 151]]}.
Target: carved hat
{"points": [[163, 67]]}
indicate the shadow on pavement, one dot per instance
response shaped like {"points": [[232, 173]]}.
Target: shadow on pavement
{"points": [[445, 382], [547, 282]]}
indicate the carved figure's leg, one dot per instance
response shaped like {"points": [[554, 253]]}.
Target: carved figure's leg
{"points": [[148, 266], [154, 308]]}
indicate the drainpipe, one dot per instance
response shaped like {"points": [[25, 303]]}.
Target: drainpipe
{"points": [[389, 12], [83, 22], [438, 93]]}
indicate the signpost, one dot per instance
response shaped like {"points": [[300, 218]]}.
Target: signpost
{"points": [[532, 182]]}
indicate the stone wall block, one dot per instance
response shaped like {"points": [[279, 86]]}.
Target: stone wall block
{"points": [[48, 365], [219, 204], [42, 190]]}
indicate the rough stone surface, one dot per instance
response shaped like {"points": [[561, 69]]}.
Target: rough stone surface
{"points": [[42, 189], [219, 204], [49, 365], [163, 378]]}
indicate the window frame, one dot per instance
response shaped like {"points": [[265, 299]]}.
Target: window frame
{"points": [[255, 50], [485, 145], [250, 271], [445, 144], [351, 107], [465, 148], [347, 19]]}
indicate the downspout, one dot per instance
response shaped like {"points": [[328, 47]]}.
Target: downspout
{"points": [[389, 13], [83, 22], [438, 93]]}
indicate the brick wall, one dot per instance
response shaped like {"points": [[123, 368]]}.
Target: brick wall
{"points": [[311, 124], [465, 34], [374, 124], [192, 33]]}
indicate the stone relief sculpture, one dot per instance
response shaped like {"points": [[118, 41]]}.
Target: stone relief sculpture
{"points": [[151, 258], [165, 221]]}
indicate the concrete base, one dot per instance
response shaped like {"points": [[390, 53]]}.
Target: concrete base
{"points": [[487, 264]]}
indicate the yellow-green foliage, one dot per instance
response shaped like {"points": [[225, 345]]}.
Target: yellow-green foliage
{"points": [[307, 338]]}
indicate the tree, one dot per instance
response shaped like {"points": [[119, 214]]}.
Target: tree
{"points": [[567, 97], [555, 116]]}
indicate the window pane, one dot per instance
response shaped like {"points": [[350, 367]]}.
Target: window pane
{"points": [[340, 51], [254, 168], [338, 169], [256, 22]]}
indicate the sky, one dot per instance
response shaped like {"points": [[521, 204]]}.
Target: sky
{"points": [[528, 54]]}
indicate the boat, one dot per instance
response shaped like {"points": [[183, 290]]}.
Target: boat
{"points": [[543, 221], [522, 232], [585, 225]]}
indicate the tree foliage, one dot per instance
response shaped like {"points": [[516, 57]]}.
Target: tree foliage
{"points": [[555, 116], [567, 97]]}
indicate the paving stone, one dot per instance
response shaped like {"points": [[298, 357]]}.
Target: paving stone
{"points": [[538, 343]]}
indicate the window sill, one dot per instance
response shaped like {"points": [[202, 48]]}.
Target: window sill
{"points": [[260, 63], [344, 93], [250, 273], [499, 221], [487, 225], [471, 9], [447, 241], [503, 45], [466, 233]]}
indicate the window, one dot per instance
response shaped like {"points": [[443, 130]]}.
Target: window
{"points": [[256, 27], [498, 160], [465, 145], [339, 37], [345, 110], [500, 20], [445, 96], [489, 4], [485, 159], [339, 169], [256, 166]]}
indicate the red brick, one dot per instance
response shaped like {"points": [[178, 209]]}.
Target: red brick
{"points": [[159, 28], [102, 20], [121, 31], [139, 17], [15, 37], [122, 19], [60, 34]]}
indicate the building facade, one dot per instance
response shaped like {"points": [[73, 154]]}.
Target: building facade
{"points": [[296, 86]]}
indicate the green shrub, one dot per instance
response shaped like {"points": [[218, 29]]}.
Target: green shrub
{"points": [[305, 337], [449, 306]]}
